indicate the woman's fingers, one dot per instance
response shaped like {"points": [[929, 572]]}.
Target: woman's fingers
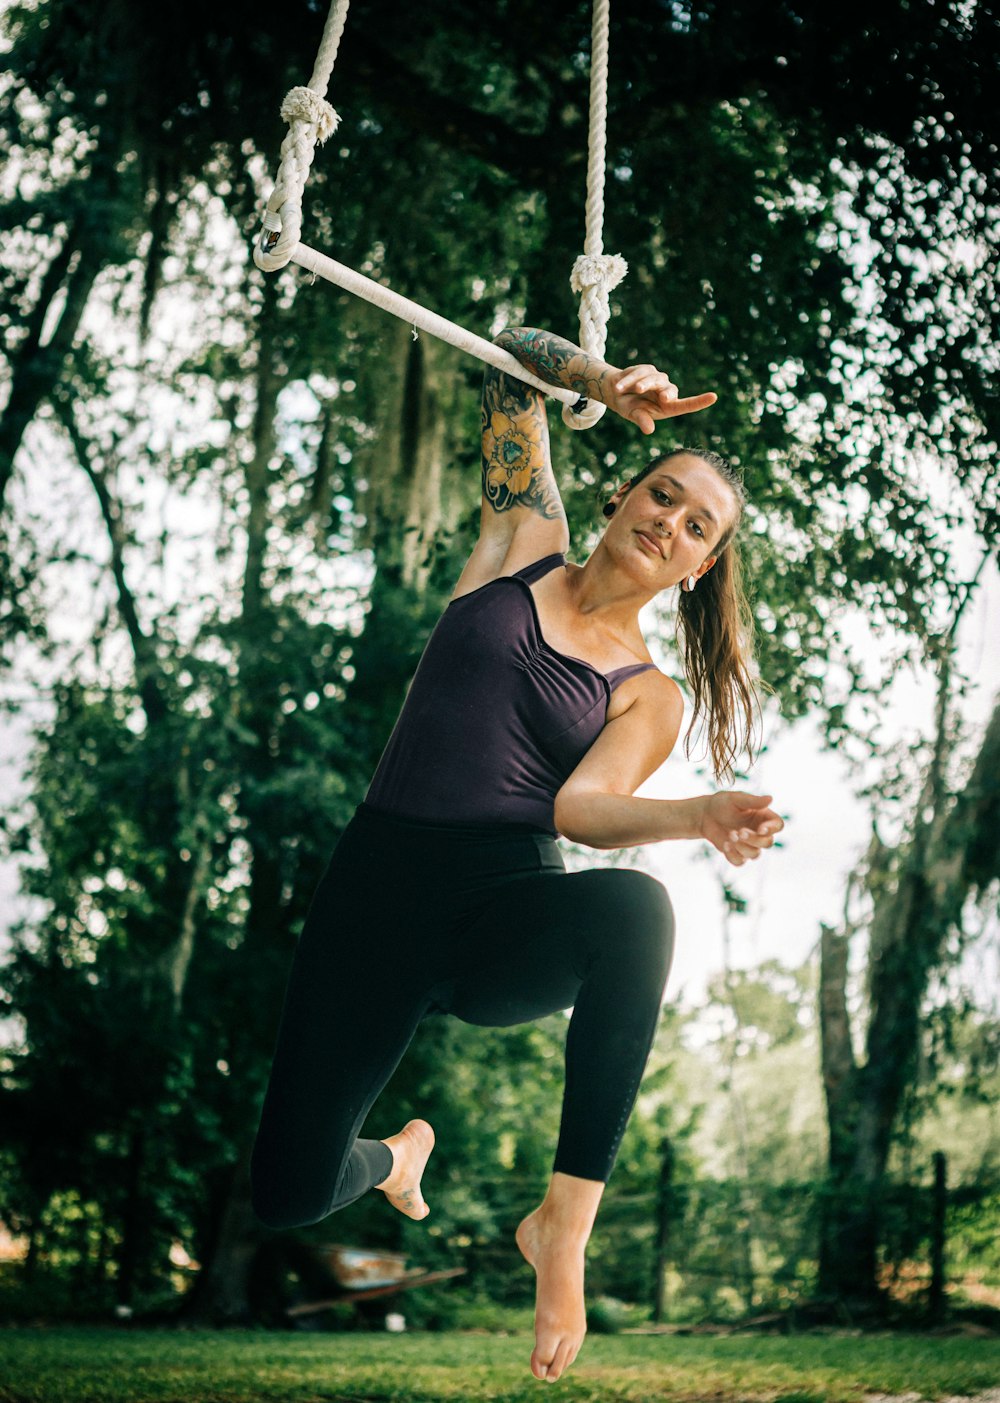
{"points": [[664, 407], [690, 405], [745, 849], [627, 383], [740, 845]]}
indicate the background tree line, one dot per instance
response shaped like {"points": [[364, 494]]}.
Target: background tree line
{"points": [[233, 507]]}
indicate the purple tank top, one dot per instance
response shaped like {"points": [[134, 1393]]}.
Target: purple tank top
{"points": [[495, 720]]}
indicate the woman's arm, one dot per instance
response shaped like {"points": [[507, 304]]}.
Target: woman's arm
{"points": [[522, 516], [597, 804], [640, 393], [517, 469]]}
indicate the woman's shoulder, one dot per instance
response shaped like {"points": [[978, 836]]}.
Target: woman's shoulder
{"points": [[657, 684], [653, 694]]}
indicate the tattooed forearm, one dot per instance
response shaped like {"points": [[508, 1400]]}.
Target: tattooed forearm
{"points": [[516, 467], [557, 361]]}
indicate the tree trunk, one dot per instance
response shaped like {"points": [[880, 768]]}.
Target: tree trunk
{"points": [[664, 1213], [131, 1254], [414, 498], [917, 896], [35, 369], [258, 469], [936, 1294], [220, 1295]]}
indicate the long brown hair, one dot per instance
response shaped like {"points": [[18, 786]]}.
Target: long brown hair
{"points": [[715, 629]]}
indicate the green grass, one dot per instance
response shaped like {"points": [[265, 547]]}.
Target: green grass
{"points": [[87, 1365]]}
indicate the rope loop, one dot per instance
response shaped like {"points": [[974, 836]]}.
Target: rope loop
{"points": [[310, 119], [595, 273]]}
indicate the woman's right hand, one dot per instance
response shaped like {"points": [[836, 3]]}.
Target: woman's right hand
{"points": [[739, 825], [643, 394]]}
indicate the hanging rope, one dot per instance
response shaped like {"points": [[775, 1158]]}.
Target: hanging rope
{"points": [[311, 119], [595, 273]]}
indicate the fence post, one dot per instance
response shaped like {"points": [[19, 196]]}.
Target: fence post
{"points": [[935, 1300], [663, 1209]]}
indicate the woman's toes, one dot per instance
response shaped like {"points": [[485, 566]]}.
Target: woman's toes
{"points": [[551, 1360], [548, 1358], [539, 1364]]}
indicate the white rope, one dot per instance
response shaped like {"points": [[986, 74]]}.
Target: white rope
{"points": [[417, 316], [595, 272], [310, 119]]}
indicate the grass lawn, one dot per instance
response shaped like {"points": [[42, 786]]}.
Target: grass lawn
{"points": [[88, 1365]]}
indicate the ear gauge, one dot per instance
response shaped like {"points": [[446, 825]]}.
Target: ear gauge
{"points": [[609, 508], [689, 584]]}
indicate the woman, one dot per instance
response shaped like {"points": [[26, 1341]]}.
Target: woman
{"points": [[535, 710]]}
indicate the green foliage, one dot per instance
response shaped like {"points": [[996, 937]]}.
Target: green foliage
{"points": [[822, 263]]}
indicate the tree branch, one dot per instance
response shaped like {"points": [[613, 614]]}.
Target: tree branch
{"points": [[147, 667]]}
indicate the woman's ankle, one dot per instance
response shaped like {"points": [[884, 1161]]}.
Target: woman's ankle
{"points": [[569, 1208]]}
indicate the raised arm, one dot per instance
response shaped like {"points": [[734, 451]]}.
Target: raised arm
{"points": [[518, 482], [517, 468], [640, 393], [522, 513]]}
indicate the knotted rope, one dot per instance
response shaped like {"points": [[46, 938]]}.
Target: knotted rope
{"points": [[310, 119], [595, 272]]}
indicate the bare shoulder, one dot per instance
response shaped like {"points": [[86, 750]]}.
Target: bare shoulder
{"points": [[651, 697]]}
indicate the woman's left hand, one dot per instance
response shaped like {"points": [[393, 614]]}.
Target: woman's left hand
{"points": [[739, 825], [643, 394]]}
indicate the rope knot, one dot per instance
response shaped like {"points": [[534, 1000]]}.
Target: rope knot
{"points": [[304, 105], [600, 271]]}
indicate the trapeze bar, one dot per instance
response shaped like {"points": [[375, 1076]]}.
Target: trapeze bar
{"points": [[415, 315]]}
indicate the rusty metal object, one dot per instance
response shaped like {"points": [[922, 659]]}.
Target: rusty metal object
{"points": [[364, 1274]]}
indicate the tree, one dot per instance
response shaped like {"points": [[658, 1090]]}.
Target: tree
{"points": [[255, 697], [917, 895]]}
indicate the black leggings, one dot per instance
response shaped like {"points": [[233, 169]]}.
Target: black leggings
{"points": [[484, 923]]}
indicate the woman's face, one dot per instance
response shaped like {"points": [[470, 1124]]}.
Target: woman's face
{"points": [[665, 527]]}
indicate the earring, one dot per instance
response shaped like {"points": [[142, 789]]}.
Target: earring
{"points": [[609, 508], [690, 583]]}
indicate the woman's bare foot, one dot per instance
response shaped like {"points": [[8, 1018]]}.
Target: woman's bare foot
{"points": [[411, 1150], [556, 1251]]}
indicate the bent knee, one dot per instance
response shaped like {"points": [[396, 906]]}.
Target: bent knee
{"points": [[281, 1211], [643, 899], [281, 1198], [638, 913], [272, 1215]]}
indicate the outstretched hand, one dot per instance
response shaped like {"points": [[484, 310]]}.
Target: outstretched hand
{"points": [[739, 825], [643, 394]]}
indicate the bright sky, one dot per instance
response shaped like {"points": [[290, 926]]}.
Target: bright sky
{"points": [[793, 890]]}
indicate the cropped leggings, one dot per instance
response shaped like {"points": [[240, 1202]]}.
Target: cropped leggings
{"points": [[483, 923]]}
